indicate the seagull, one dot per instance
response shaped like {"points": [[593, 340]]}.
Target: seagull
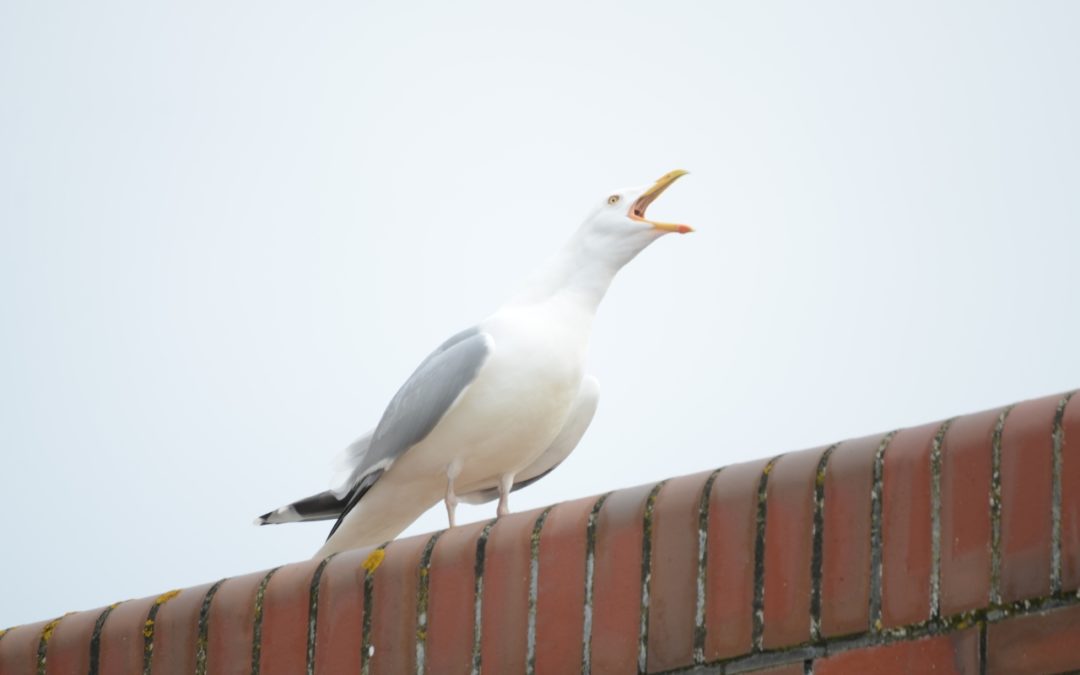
{"points": [[497, 406]]}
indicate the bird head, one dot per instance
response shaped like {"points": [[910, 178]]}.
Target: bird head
{"points": [[618, 226]]}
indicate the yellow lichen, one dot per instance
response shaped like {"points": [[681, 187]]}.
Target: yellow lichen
{"points": [[148, 629], [47, 631], [166, 596], [374, 559]]}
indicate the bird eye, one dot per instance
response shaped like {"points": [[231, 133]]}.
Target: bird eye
{"points": [[613, 199]]}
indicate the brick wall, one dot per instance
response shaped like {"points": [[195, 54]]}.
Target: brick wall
{"points": [[949, 547]]}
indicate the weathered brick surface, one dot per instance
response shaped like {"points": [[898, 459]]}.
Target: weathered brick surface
{"points": [[560, 601], [954, 653], [505, 607], [122, 637], [965, 518], [789, 526], [672, 600], [19, 648], [905, 527], [175, 631], [452, 603], [231, 625], [285, 619], [68, 650], [729, 589], [1039, 643], [708, 562], [845, 575], [341, 614], [393, 618], [1026, 477], [616, 608]]}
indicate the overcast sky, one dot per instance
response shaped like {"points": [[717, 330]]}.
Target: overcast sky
{"points": [[230, 230]]}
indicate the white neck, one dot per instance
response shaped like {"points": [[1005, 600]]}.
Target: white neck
{"points": [[579, 272]]}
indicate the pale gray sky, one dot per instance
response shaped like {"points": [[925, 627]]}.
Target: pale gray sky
{"points": [[229, 231]]}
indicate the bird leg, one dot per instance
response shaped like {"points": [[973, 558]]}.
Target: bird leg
{"points": [[451, 500], [506, 482]]}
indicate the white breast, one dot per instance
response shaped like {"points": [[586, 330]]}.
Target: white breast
{"points": [[520, 400]]}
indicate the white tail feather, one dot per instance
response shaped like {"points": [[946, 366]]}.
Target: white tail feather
{"points": [[346, 464]]}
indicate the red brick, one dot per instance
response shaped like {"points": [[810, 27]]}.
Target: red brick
{"points": [[952, 653], [845, 545], [231, 626], [505, 608], [285, 619], [560, 599], [966, 455], [1041, 642], [729, 582], [69, 647], [18, 649], [905, 527], [393, 607], [122, 637], [340, 623], [1037, 643], [1070, 496], [176, 629], [452, 600], [789, 526], [617, 581], [1026, 461], [673, 590]]}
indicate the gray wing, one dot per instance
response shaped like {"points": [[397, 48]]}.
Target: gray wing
{"points": [[581, 415], [417, 407]]}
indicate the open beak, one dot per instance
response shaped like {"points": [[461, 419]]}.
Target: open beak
{"points": [[637, 210]]}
